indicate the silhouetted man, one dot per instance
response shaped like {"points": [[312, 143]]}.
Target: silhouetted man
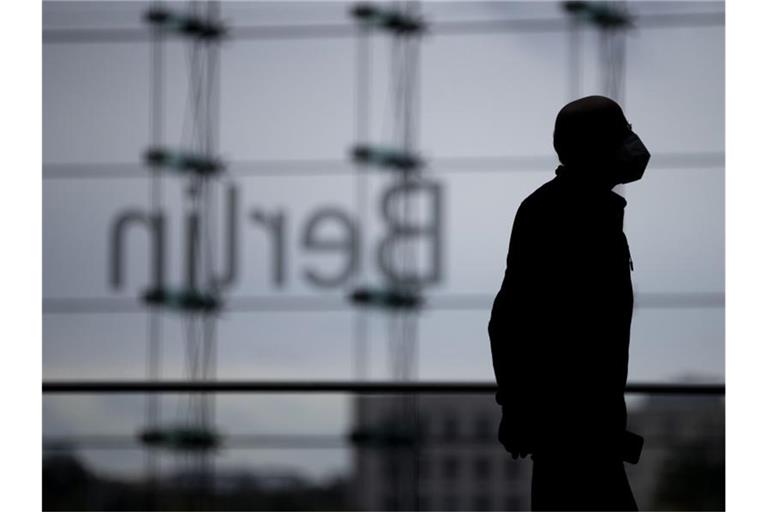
{"points": [[560, 324]]}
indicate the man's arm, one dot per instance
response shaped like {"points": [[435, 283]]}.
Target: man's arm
{"points": [[511, 341], [506, 328]]}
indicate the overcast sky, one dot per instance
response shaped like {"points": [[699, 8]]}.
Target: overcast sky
{"points": [[483, 95]]}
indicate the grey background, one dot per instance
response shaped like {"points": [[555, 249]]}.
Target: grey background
{"points": [[484, 95]]}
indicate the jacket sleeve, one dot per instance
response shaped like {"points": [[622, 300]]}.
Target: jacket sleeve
{"points": [[509, 327]]}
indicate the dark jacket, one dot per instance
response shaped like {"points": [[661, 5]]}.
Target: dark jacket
{"points": [[560, 324]]}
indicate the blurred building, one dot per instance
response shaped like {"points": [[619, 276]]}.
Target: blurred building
{"points": [[683, 461], [446, 458]]}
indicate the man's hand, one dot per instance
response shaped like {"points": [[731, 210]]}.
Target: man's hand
{"points": [[514, 437]]}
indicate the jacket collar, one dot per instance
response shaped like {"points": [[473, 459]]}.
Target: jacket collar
{"points": [[572, 178]]}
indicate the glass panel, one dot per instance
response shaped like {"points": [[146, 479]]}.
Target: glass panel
{"points": [[366, 461]]}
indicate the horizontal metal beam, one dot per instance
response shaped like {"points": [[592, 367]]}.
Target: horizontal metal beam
{"points": [[480, 27], [334, 303], [300, 441], [354, 387], [240, 441], [341, 167], [348, 30]]}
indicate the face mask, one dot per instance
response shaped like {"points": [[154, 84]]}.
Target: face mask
{"points": [[632, 158]]}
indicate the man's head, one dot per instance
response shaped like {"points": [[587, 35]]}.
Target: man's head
{"points": [[593, 136]]}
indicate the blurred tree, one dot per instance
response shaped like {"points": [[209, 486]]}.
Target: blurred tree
{"points": [[66, 482]]}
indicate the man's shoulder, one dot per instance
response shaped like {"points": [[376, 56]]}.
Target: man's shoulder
{"points": [[542, 199]]}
